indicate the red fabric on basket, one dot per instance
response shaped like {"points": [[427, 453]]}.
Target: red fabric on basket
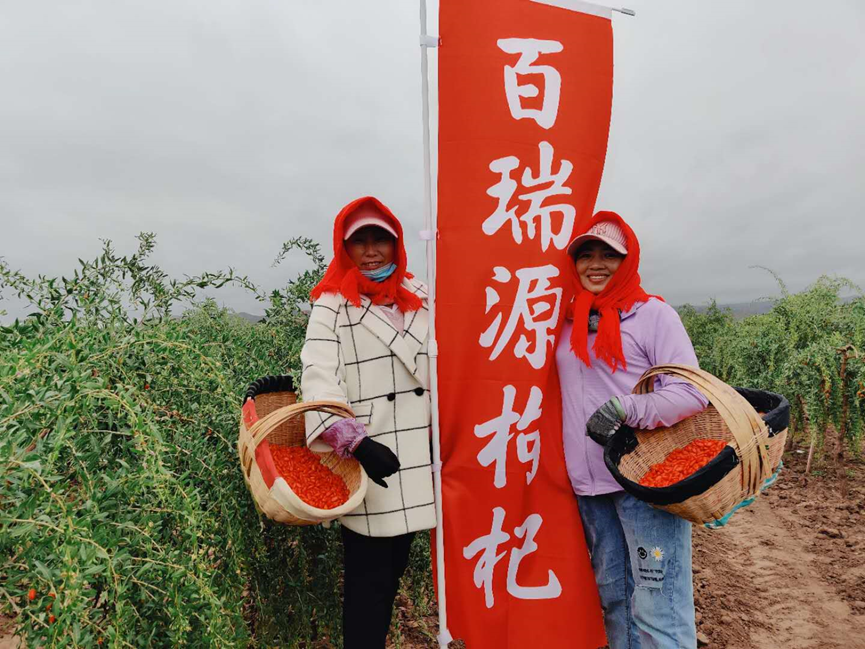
{"points": [[263, 458]]}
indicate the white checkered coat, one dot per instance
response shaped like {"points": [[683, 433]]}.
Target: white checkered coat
{"points": [[354, 355]]}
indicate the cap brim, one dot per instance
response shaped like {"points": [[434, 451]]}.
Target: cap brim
{"points": [[580, 240], [374, 222]]}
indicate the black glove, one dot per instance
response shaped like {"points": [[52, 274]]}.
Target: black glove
{"points": [[605, 421], [377, 460]]}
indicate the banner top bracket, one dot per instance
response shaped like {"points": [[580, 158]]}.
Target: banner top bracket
{"points": [[585, 6]]}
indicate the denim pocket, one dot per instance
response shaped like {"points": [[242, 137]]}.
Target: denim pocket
{"points": [[650, 567]]}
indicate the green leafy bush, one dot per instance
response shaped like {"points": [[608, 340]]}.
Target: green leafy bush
{"points": [[121, 501], [122, 506], [809, 347]]}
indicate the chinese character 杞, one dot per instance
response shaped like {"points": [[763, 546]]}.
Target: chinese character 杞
{"points": [[487, 546]]}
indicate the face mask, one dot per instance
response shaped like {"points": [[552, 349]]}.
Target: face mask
{"points": [[379, 274]]}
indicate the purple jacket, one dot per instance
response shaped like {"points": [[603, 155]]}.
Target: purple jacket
{"points": [[652, 334]]}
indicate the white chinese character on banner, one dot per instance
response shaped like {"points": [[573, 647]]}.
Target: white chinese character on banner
{"points": [[529, 49], [528, 444], [487, 546], [537, 210], [553, 588], [532, 312]]}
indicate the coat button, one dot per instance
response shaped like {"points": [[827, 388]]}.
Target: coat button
{"points": [[391, 396], [419, 391]]}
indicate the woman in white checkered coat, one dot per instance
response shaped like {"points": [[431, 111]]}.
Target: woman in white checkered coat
{"points": [[366, 345]]}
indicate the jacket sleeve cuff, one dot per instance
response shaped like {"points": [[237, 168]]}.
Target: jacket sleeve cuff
{"points": [[344, 436]]}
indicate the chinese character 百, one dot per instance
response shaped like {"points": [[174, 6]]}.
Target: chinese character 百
{"points": [[529, 49]]}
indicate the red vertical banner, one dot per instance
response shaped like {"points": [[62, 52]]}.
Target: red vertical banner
{"points": [[525, 91]]}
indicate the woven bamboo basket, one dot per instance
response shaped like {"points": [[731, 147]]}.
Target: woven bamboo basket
{"points": [[755, 443], [271, 415]]}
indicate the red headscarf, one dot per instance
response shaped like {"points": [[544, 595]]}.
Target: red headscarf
{"points": [[620, 294], [345, 278]]}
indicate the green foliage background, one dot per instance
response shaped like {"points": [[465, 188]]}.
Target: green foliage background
{"points": [[119, 485], [120, 489], [809, 347]]}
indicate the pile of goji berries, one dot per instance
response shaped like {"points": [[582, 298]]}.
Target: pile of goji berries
{"points": [[313, 482], [682, 462]]}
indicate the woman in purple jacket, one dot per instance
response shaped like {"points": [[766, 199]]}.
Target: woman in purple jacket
{"points": [[641, 555]]}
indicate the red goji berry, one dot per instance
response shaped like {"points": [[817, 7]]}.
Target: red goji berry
{"points": [[682, 463], [31, 594], [310, 480]]}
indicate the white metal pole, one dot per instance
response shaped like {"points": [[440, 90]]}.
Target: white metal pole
{"points": [[430, 235]]}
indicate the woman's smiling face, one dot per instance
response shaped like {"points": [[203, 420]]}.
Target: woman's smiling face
{"points": [[596, 264], [371, 247]]}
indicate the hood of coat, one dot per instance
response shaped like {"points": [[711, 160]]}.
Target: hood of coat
{"points": [[344, 277], [339, 227]]}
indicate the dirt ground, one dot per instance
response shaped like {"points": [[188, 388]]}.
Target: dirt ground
{"points": [[788, 572], [6, 639]]}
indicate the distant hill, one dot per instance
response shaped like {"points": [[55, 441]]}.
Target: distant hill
{"points": [[250, 317], [757, 307], [742, 309], [739, 309]]}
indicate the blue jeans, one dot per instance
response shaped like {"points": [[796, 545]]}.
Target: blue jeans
{"points": [[641, 557]]}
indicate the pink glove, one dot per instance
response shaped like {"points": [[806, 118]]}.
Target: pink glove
{"points": [[344, 436]]}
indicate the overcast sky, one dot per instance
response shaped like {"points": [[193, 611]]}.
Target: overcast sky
{"points": [[227, 127]]}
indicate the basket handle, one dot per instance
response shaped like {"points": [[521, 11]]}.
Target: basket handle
{"points": [[748, 428], [259, 430], [268, 384]]}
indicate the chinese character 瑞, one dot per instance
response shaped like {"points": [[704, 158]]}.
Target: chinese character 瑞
{"points": [[548, 184]]}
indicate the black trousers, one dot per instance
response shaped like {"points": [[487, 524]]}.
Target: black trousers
{"points": [[373, 568]]}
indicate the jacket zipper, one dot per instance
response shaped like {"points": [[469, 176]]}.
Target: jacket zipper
{"points": [[586, 437]]}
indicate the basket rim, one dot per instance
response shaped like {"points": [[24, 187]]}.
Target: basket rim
{"points": [[268, 385], [777, 416], [282, 488], [286, 498], [695, 484], [747, 427], [624, 441]]}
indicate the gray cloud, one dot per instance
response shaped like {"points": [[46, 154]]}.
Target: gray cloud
{"points": [[228, 127]]}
